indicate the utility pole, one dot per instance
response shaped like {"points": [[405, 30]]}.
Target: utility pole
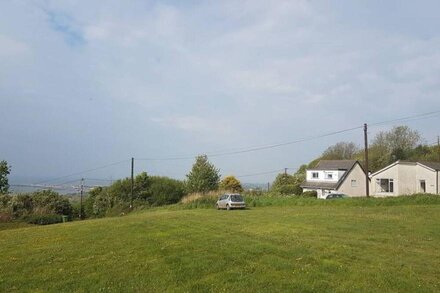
{"points": [[268, 186], [367, 180], [132, 183], [438, 147], [81, 199], [285, 171]]}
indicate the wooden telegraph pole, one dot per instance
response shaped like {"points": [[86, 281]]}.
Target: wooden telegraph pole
{"points": [[81, 199], [367, 180], [132, 183], [438, 147]]}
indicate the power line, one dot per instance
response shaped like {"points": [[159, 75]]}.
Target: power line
{"points": [[408, 118], [253, 149], [264, 147]]}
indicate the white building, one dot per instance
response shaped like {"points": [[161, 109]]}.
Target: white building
{"points": [[330, 176], [403, 178]]}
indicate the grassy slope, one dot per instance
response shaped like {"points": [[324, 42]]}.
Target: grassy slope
{"points": [[14, 225], [307, 248]]}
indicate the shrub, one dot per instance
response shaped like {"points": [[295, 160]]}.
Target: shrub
{"points": [[311, 193], [45, 219], [289, 189], [287, 184], [4, 200], [165, 190], [21, 205], [231, 184], [148, 191], [51, 202]]}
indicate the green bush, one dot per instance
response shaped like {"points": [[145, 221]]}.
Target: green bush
{"points": [[52, 202], [287, 184], [39, 202], [148, 191], [165, 191], [311, 193], [21, 205], [4, 200], [45, 219], [289, 189]]}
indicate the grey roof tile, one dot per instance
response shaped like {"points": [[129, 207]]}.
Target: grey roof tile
{"points": [[335, 165], [432, 165]]}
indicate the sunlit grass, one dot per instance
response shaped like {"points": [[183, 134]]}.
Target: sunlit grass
{"points": [[322, 247]]}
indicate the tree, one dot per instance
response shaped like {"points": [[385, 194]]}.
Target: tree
{"points": [[290, 184], [286, 184], [397, 144], [203, 176], [341, 151], [4, 172], [230, 183]]}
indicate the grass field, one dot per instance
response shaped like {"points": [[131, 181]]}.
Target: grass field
{"points": [[322, 247]]}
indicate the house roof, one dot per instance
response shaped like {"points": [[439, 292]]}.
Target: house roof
{"points": [[335, 165], [324, 185], [432, 165]]}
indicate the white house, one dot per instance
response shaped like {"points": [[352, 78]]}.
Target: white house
{"points": [[330, 176], [402, 178]]}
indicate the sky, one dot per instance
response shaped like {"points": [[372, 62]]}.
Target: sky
{"points": [[84, 84]]}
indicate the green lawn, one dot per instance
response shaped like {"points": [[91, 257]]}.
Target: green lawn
{"points": [[289, 248], [13, 225]]}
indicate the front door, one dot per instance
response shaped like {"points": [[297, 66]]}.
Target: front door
{"points": [[422, 186]]}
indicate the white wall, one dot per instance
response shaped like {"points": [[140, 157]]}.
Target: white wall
{"points": [[406, 177], [336, 174], [359, 189]]}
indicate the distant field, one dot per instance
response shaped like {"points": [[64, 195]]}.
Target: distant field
{"points": [[322, 247]]}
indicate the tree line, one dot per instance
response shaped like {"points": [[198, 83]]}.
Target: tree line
{"points": [[46, 206], [386, 147], [399, 143]]}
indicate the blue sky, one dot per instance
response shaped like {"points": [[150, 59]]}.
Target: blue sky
{"points": [[84, 84]]}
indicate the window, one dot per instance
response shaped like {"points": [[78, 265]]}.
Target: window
{"points": [[385, 185], [237, 198], [354, 183], [315, 175], [329, 175]]}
